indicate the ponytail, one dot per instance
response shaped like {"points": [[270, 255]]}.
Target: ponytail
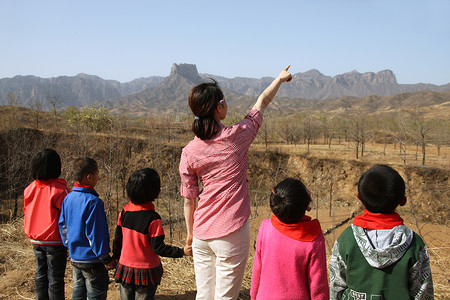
{"points": [[205, 127], [203, 101]]}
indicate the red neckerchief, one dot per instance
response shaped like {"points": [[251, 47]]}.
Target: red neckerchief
{"points": [[377, 220], [83, 186], [306, 230], [130, 206]]}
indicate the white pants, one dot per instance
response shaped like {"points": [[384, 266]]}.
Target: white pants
{"points": [[220, 264]]}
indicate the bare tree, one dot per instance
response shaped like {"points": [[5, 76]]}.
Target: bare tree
{"points": [[290, 130], [55, 103], [38, 108], [265, 132], [311, 130], [327, 130], [358, 132], [13, 101], [421, 129], [440, 130]]}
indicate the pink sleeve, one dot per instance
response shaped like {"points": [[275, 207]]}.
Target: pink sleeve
{"points": [[256, 272], [251, 124], [318, 273], [189, 181]]}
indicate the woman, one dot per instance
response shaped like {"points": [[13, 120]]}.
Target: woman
{"points": [[217, 156]]}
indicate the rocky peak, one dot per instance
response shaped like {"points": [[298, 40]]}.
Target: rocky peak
{"points": [[386, 76], [188, 71]]}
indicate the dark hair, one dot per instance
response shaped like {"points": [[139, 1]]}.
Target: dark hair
{"points": [[289, 200], [84, 166], [381, 189], [45, 165], [143, 186], [203, 101]]}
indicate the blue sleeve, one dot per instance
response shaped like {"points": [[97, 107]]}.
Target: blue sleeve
{"points": [[97, 229], [62, 227]]}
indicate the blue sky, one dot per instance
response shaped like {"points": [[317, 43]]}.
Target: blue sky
{"points": [[124, 40]]}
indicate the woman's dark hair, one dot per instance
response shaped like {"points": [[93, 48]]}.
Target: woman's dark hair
{"points": [[289, 200], [45, 165], [83, 167], [143, 186], [203, 101], [381, 189]]}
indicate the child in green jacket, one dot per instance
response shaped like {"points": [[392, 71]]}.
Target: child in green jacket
{"points": [[378, 257]]}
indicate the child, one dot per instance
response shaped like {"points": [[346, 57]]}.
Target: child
{"points": [[42, 206], [218, 228], [84, 230], [139, 239], [378, 257], [290, 258]]}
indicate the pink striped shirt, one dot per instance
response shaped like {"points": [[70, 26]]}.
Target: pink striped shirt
{"points": [[221, 165]]}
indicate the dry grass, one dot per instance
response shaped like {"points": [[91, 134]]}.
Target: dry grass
{"points": [[374, 153], [17, 260]]}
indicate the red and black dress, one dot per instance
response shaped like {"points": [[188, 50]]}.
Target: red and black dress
{"points": [[138, 243]]}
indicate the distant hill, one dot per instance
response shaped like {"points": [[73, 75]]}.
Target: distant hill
{"points": [[169, 94], [79, 90], [314, 85]]}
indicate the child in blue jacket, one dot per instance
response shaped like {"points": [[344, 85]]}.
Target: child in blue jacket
{"points": [[84, 230]]}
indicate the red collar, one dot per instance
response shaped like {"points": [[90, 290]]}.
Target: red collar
{"points": [[83, 186], [377, 220], [130, 206], [43, 183], [306, 230]]}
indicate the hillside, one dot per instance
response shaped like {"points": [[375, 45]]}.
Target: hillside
{"points": [[162, 93]]}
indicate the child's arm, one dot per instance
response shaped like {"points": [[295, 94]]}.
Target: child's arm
{"points": [[157, 236], [117, 243], [338, 270], [420, 280], [62, 227], [256, 272], [97, 230], [269, 93], [318, 271]]}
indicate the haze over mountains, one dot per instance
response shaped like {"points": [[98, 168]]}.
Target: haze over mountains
{"points": [[169, 93]]}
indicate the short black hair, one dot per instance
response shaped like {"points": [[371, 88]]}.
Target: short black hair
{"points": [[289, 200], [84, 166], [143, 186], [45, 165], [381, 189]]}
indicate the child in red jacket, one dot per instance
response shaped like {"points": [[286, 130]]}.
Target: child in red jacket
{"points": [[139, 239], [42, 207]]}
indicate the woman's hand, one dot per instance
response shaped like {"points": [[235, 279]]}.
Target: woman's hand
{"points": [[269, 93], [285, 76], [187, 250], [189, 239]]}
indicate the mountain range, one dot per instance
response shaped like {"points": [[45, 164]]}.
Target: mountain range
{"points": [[169, 94]]}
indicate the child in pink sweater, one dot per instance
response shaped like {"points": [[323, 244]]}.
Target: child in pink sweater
{"points": [[290, 258]]}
